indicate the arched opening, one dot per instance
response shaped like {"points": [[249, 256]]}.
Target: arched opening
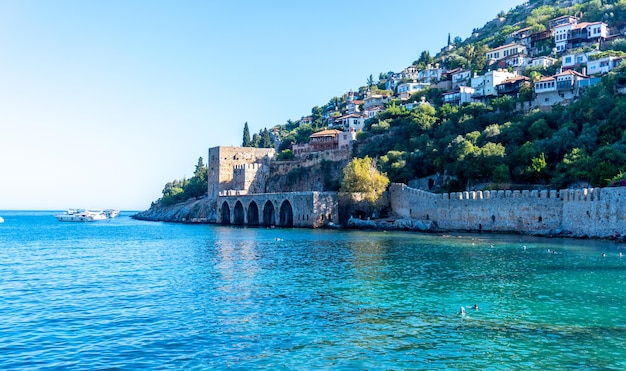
{"points": [[225, 213], [253, 214], [268, 214], [360, 214], [286, 215], [238, 214]]}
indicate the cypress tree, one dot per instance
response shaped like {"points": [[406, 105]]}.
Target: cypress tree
{"points": [[246, 136]]}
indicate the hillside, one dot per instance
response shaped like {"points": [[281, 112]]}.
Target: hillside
{"points": [[434, 124], [504, 141]]}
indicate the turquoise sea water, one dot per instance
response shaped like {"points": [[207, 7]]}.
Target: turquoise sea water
{"points": [[126, 294]]}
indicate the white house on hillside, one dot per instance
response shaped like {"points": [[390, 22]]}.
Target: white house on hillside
{"points": [[370, 112], [565, 19], [574, 34], [460, 78], [485, 86], [459, 95], [603, 65], [430, 74], [521, 37], [544, 61], [575, 59], [350, 122], [504, 51], [405, 90], [558, 88], [409, 73], [353, 106], [375, 100]]}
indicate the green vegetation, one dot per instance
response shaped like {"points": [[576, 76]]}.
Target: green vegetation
{"points": [[182, 190], [362, 176], [260, 140], [246, 142], [476, 143]]}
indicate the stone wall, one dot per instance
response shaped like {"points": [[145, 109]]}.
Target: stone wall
{"points": [[250, 178], [589, 212], [596, 212], [297, 209], [222, 162]]}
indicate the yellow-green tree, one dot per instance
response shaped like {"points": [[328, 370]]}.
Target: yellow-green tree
{"points": [[362, 176]]}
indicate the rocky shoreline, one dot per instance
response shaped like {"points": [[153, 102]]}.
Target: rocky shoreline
{"points": [[202, 211], [194, 210]]}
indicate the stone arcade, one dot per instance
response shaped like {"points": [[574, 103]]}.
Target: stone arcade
{"points": [[236, 184]]}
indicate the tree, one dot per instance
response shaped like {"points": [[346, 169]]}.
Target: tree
{"points": [[362, 176], [199, 166], [197, 185], [246, 136], [266, 140], [316, 116], [285, 154], [370, 81]]}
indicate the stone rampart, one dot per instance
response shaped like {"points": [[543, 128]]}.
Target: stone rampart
{"points": [[587, 212], [596, 212]]}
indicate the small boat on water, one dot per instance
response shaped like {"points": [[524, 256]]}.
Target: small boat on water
{"points": [[111, 213], [78, 215], [1, 220]]}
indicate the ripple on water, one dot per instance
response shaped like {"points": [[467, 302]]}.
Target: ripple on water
{"points": [[136, 295]]}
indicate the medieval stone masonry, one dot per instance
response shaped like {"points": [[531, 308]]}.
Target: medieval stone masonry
{"points": [[591, 212]]}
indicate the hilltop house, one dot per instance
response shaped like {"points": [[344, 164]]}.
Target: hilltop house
{"points": [[603, 65], [326, 140], [543, 61], [353, 106], [521, 37], [516, 61], [485, 86], [556, 89], [574, 60], [405, 90], [350, 122], [512, 86], [308, 120], [374, 100], [568, 33], [430, 74], [562, 20], [460, 78], [502, 52], [459, 95], [370, 112], [410, 73]]}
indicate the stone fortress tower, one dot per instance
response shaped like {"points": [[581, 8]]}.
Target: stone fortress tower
{"points": [[242, 169]]}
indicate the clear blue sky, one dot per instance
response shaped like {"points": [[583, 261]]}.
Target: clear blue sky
{"points": [[103, 102]]}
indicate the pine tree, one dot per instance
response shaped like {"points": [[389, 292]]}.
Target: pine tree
{"points": [[246, 136]]}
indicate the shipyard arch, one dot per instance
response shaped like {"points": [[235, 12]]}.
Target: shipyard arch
{"points": [[253, 214], [268, 214], [225, 213], [286, 214], [238, 217]]}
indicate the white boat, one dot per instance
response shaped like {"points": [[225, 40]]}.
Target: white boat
{"points": [[1, 220], [75, 215], [111, 213]]}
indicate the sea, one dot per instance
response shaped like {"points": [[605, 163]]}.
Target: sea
{"points": [[124, 294]]}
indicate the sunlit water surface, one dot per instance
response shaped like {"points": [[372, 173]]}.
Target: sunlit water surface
{"points": [[126, 294]]}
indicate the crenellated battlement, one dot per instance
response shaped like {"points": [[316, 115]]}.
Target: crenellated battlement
{"points": [[254, 166], [589, 211]]}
